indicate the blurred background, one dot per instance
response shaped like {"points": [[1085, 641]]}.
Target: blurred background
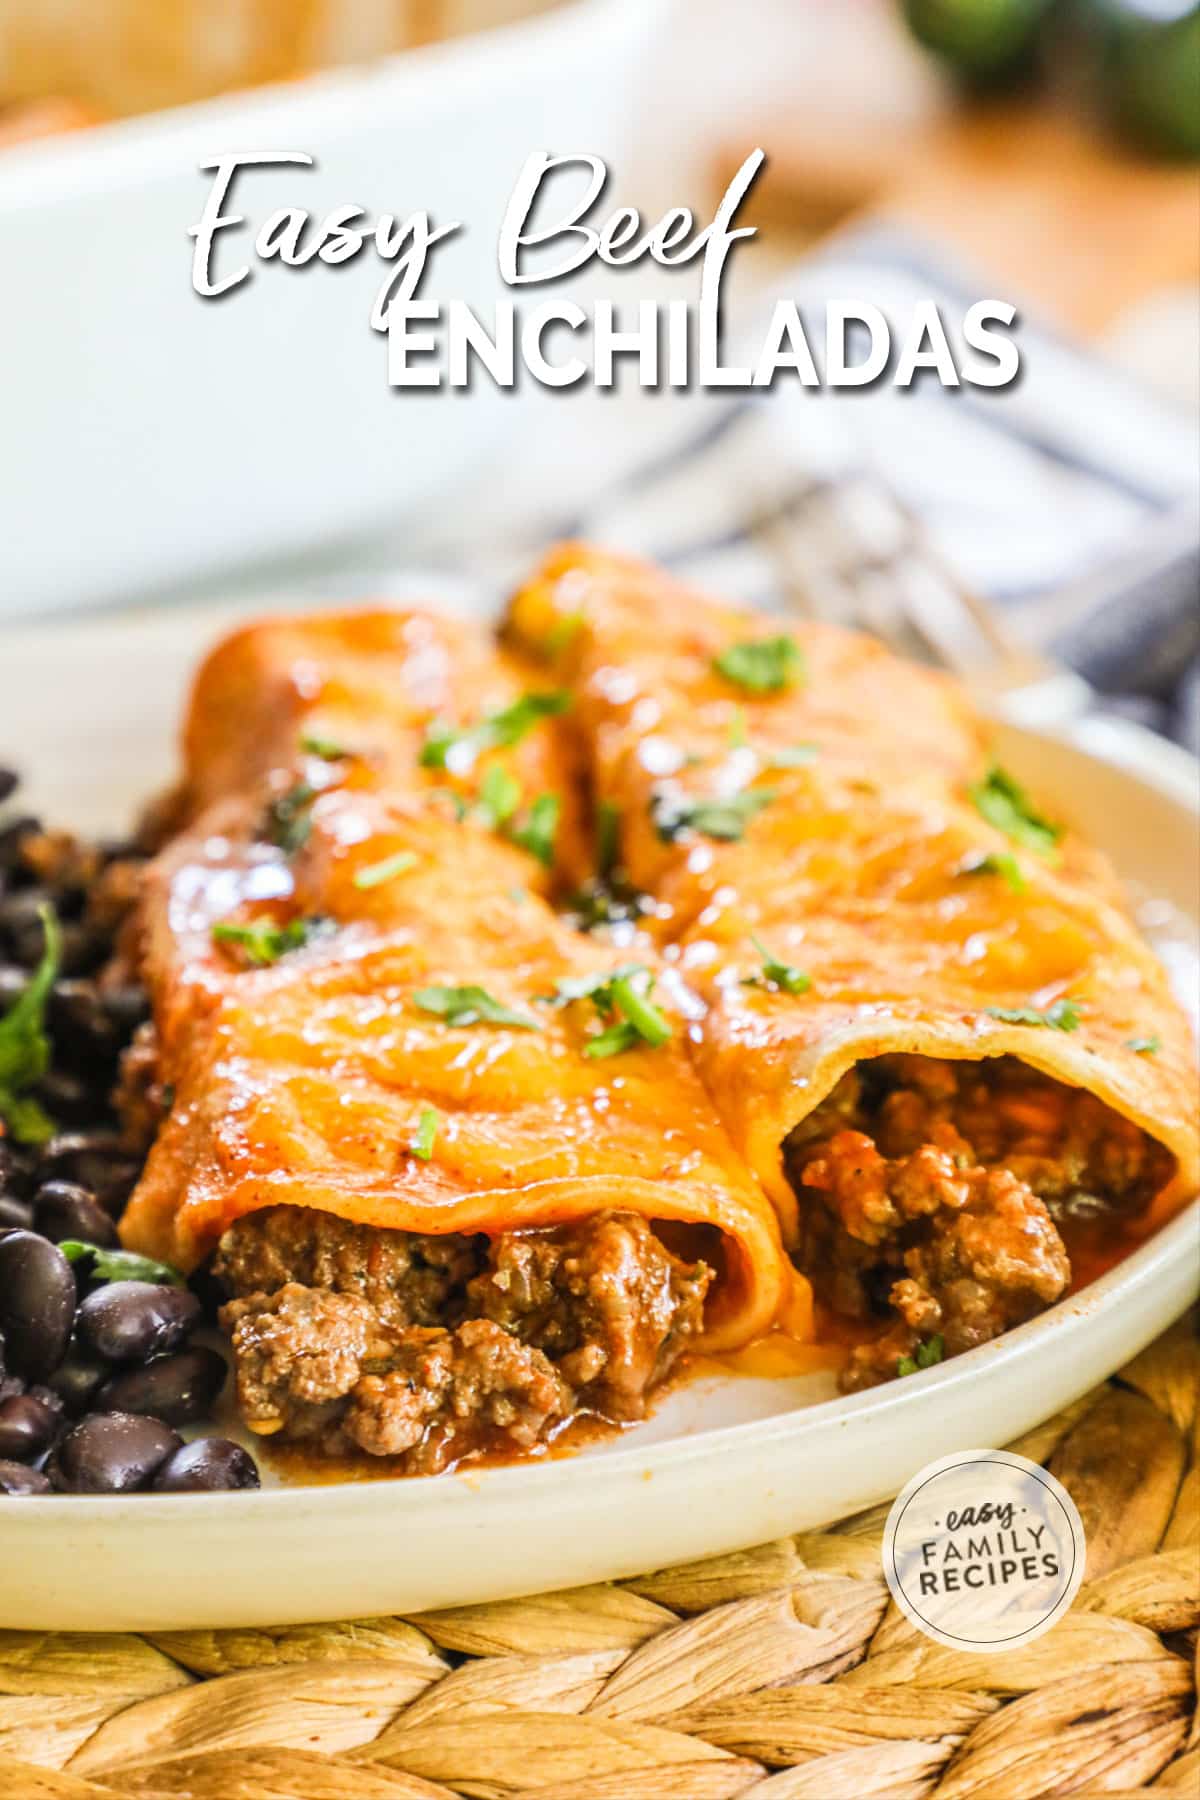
{"points": [[156, 450]]}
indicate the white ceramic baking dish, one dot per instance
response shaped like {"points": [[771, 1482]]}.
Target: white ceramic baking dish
{"points": [[149, 437]]}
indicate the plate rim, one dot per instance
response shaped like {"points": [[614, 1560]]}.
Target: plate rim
{"points": [[1133, 751]]}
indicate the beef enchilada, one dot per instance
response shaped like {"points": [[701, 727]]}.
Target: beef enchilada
{"points": [[532, 1011], [930, 1025]]}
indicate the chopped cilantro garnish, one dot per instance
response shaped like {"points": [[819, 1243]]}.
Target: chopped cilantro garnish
{"points": [[499, 796], [605, 901], [119, 1265], [536, 831], [375, 874], [614, 1040], [1063, 1015], [425, 1135], [497, 731], [264, 941], [1004, 803], [326, 748], [457, 802], [997, 862], [288, 820], [634, 1017], [725, 820], [440, 738], [597, 988], [639, 1013], [563, 633], [775, 974], [24, 1045], [739, 736], [1145, 1046], [925, 1356], [608, 836], [470, 1006], [790, 756], [762, 665]]}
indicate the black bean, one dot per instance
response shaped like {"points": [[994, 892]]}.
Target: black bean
{"points": [[79, 1023], [16, 1170], [205, 1465], [130, 1321], [18, 1481], [47, 1397], [208, 1289], [111, 1453], [8, 784], [77, 1380], [176, 1388], [97, 1160], [15, 1215], [11, 836], [81, 949], [37, 1304], [21, 923], [13, 982], [63, 1209], [126, 1007], [27, 1427], [69, 1098], [84, 948]]}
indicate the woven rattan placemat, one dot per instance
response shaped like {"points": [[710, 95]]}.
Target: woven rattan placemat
{"points": [[782, 1673]]}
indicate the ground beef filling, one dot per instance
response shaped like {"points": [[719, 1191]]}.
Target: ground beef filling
{"points": [[931, 1194], [431, 1349]]}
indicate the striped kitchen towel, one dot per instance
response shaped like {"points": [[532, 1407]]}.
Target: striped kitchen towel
{"points": [[1069, 501]]}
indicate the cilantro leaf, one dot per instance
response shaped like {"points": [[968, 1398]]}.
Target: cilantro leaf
{"points": [[375, 874], [1145, 1046], [537, 831], [998, 862], [496, 731], [264, 941], [790, 756], [325, 748], [1004, 803], [635, 1018], [614, 1040], [775, 974], [288, 821], [639, 1013], [119, 1265], [927, 1354], [499, 796], [1063, 1015], [762, 665], [608, 836], [425, 1135], [562, 634], [725, 820], [470, 1006], [597, 988], [24, 1046], [606, 900]]}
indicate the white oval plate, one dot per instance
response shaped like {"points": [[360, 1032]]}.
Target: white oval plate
{"points": [[89, 711]]}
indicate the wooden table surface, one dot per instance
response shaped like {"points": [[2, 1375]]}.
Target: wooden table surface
{"points": [[1056, 210]]}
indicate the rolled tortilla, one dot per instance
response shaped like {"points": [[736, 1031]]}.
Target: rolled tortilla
{"points": [[307, 1082], [380, 684], [841, 827]]}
